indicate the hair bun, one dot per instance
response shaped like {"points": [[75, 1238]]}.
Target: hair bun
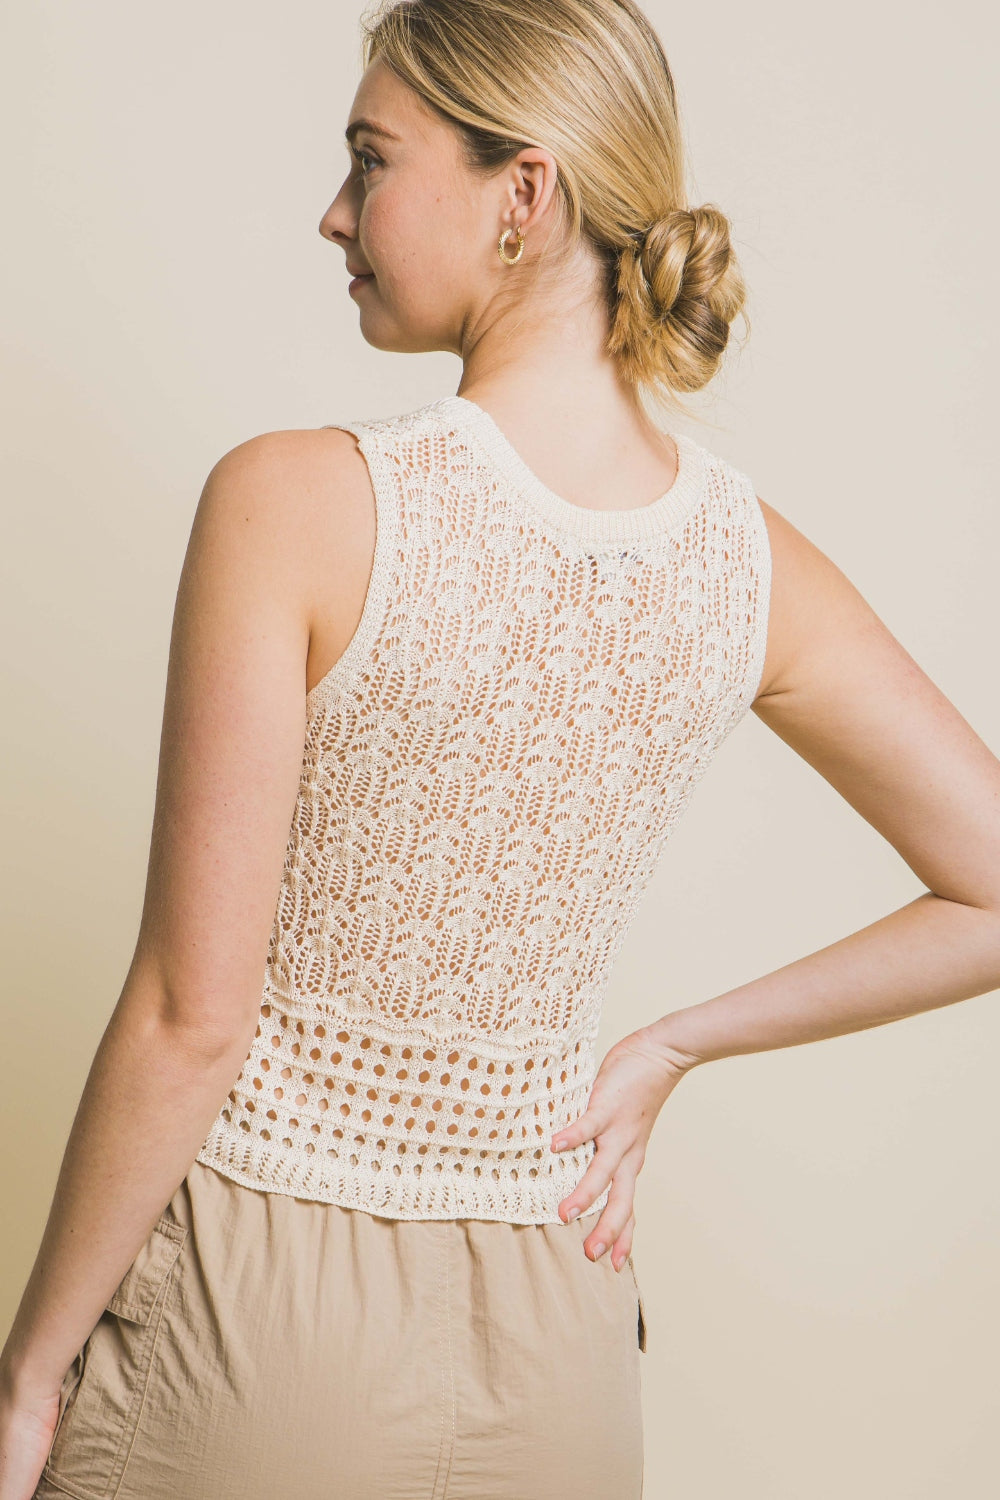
{"points": [[662, 252], [679, 289]]}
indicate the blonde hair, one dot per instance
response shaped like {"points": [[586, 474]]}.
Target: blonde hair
{"points": [[589, 81]]}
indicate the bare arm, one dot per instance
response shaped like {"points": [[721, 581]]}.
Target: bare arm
{"points": [[845, 695], [230, 760], [842, 692]]}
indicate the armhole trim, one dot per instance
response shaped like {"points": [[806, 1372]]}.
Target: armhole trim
{"points": [[383, 481], [763, 564]]}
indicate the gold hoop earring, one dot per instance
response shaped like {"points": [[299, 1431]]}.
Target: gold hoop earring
{"points": [[507, 260]]}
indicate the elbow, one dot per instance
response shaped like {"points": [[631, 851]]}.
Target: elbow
{"points": [[206, 1025], [207, 1039]]}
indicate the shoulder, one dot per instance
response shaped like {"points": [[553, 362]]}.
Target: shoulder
{"points": [[271, 467], [284, 521], [277, 490]]}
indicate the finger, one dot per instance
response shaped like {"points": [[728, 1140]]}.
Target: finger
{"points": [[586, 1128], [616, 1214], [622, 1248], [591, 1184]]}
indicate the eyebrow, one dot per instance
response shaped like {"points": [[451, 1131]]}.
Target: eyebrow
{"points": [[372, 127]]}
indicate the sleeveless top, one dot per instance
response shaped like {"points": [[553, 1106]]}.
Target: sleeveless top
{"points": [[490, 773]]}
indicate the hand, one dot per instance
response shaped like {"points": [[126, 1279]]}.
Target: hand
{"points": [[630, 1088], [28, 1421]]}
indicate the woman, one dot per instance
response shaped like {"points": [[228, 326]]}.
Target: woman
{"points": [[388, 1260]]}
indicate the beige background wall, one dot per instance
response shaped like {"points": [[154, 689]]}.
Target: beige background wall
{"points": [[818, 1227]]}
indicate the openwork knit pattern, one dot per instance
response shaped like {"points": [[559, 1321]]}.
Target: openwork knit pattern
{"points": [[490, 773]]}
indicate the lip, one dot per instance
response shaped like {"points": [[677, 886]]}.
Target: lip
{"points": [[359, 280]]}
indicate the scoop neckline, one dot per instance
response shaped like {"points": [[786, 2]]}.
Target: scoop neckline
{"points": [[642, 521]]}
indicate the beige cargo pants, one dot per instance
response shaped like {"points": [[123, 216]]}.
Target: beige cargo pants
{"points": [[262, 1345]]}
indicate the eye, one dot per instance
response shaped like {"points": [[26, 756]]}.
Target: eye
{"points": [[358, 154]]}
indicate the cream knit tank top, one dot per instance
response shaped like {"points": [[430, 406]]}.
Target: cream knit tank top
{"points": [[490, 773]]}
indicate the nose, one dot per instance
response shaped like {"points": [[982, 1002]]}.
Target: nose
{"points": [[339, 224], [328, 229]]}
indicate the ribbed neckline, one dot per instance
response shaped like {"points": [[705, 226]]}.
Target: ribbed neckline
{"points": [[641, 522]]}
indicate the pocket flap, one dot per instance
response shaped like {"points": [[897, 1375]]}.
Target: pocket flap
{"points": [[139, 1288]]}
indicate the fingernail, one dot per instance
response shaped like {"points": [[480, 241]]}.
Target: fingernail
{"points": [[599, 1250], [572, 1214]]}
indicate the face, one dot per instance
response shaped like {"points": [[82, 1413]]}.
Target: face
{"points": [[411, 213]]}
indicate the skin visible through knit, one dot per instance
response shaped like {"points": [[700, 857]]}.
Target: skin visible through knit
{"points": [[491, 771]]}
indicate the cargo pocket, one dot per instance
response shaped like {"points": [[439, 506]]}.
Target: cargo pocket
{"points": [[641, 1322], [104, 1390]]}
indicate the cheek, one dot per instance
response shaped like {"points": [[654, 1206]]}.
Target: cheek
{"points": [[409, 239], [384, 234], [421, 258]]}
